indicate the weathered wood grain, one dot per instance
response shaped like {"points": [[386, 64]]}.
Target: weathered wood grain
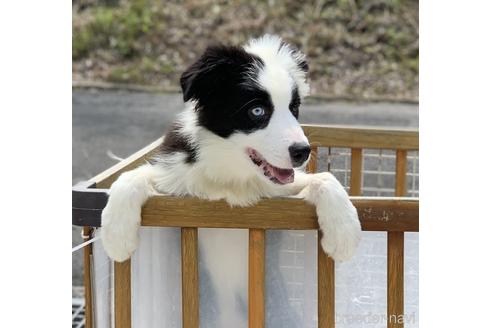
{"points": [[356, 172], [361, 137], [106, 178], [189, 278], [256, 278], [122, 294], [326, 289], [396, 241], [89, 318], [375, 213]]}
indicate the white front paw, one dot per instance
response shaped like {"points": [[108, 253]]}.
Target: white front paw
{"points": [[340, 240], [119, 231], [337, 217]]}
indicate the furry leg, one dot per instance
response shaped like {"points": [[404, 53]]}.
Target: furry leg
{"points": [[120, 219], [337, 217]]}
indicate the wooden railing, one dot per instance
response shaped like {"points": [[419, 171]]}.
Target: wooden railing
{"points": [[396, 215]]}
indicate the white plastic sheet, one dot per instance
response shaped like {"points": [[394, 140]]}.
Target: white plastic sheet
{"points": [[102, 286], [291, 282]]}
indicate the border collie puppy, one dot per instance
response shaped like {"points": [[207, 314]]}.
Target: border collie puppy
{"points": [[238, 139]]}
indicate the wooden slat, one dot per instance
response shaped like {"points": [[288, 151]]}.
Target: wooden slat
{"points": [[326, 265], [326, 273], [362, 137], [375, 213], [311, 167], [326, 289], [106, 178], [256, 279], [189, 277], [356, 172], [395, 279], [122, 294], [401, 173], [396, 241], [89, 319]]}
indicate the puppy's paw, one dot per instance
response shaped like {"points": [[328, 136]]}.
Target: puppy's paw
{"points": [[119, 232], [341, 240], [337, 217]]}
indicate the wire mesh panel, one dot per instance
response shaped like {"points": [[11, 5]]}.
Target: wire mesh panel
{"points": [[413, 174], [78, 313], [291, 279], [378, 169], [379, 172], [361, 284]]}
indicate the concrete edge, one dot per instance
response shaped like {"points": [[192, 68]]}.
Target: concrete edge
{"points": [[315, 98]]}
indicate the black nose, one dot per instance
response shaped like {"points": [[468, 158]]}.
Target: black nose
{"points": [[299, 153]]}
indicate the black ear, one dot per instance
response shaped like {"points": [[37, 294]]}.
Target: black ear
{"points": [[194, 76], [218, 67]]}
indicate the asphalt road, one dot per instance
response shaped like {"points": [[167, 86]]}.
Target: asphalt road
{"points": [[122, 122]]}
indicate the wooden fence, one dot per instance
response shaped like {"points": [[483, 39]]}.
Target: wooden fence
{"points": [[396, 215]]}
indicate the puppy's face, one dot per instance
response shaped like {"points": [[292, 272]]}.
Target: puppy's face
{"points": [[251, 96]]}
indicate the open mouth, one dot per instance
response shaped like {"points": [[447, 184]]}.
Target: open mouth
{"points": [[275, 174]]}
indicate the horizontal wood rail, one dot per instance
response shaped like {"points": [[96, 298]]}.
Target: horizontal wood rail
{"points": [[375, 214], [106, 178], [361, 137], [289, 213]]}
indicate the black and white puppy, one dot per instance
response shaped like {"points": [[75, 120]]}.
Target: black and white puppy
{"points": [[237, 139]]}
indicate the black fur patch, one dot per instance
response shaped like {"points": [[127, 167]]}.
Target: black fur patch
{"points": [[176, 142], [303, 65], [295, 102], [221, 82]]}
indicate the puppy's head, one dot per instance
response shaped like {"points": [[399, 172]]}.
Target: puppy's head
{"points": [[251, 96]]}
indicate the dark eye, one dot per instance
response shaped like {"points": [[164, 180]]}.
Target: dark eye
{"points": [[295, 103], [257, 112]]}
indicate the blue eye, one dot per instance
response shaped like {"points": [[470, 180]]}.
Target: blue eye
{"points": [[257, 111]]}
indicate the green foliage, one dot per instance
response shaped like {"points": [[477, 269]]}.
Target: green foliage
{"points": [[117, 29], [354, 47]]}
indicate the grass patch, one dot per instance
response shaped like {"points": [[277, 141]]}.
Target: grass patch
{"points": [[117, 29], [365, 48]]}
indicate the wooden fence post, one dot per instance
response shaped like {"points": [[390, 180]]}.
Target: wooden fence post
{"points": [[256, 278], [189, 277], [396, 241], [123, 294]]}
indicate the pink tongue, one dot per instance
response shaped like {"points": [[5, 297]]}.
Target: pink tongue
{"points": [[283, 175]]}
